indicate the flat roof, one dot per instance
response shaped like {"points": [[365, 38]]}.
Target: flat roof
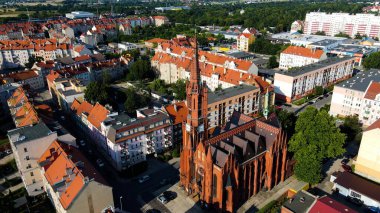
{"points": [[229, 92], [324, 42], [311, 67], [301, 202], [241, 54], [361, 81], [359, 184], [29, 133]]}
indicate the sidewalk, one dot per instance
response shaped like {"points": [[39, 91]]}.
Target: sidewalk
{"points": [[6, 159], [182, 203], [263, 198]]}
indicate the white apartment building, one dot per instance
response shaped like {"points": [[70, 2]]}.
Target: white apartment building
{"points": [[244, 40], [28, 144], [14, 53], [349, 97], [371, 107], [295, 56], [31, 78], [124, 141], [334, 23], [299, 82]]}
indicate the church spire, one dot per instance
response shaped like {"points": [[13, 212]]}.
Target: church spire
{"points": [[195, 73]]}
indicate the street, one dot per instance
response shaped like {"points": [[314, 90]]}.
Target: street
{"points": [[319, 103]]}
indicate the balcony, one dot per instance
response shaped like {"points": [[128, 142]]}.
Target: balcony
{"points": [[149, 143], [150, 150]]}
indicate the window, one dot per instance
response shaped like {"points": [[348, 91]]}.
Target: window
{"points": [[25, 149], [355, 195], [31, 174], [214, 186], [27, 157], [33, 181]]}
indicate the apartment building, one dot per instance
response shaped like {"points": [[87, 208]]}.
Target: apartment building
{"points": [[350, 24], [123, 140], [297, 26], [6, 91], [295, 56], [348, 97], [160, 20], [300, 82], [367, 163], [370, 111], [14, 53], [221, 104], [28, 144], [30, 78], [244, 40], [172, 62], [178, 114], [64, 90], [71, 181]]}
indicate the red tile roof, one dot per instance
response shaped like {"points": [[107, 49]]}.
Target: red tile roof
{"points": [[375, 125], [372, 91], [178, 112], [97, 115], [302, 51], [58, 162], [157, 40], [79, 107], [52, 76], [327, 204], [21, 76]]}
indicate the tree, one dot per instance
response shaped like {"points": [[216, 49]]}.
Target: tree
{"points": [[288, 121], [316, 138], [358, 36], [352, 128], [179, 89], [320, 33], [272, 63], [135, 101], [319, 90], [372, 61], [158, 85], [96, 92], [140, 70], [32, 60], [341, 34]]}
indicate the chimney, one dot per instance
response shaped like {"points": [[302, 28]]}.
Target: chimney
{"points": [[241, 75], [225, 71], [175, 107]]}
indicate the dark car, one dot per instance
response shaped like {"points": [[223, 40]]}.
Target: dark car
{"points": [[169, 195], [153, 211], [355, 201], [347, 168], [345, 161]]}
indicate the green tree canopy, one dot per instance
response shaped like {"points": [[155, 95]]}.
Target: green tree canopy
{"points": [[272, 63], [140, 70], [264, 46], [320, 33], [319, 90], [288, 121], [341, 34], [316, 138], [179, 89], [352, 128], [372, 61], [96, 92], [135, 100], [33, 59]]}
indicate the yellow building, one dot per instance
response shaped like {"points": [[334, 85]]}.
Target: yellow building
{"points": [[244, 40], [368, 160]]}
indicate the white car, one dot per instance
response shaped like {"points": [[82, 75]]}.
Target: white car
{"points": [[144, 179], [162, 199]]}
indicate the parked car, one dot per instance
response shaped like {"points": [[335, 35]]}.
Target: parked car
{"points": [[8, 151], [320, 98], [82, 143], [100, 162], [144, 178], [153, 211], [162, 199], [355, 201], [373, 209], [63, 117], [347, 168], [345, 161], [169, 195]]}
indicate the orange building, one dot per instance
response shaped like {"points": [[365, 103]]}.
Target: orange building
{"points": [[238, 160]]}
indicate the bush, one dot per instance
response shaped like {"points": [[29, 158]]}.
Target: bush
{"points": [[175, 153], [268, 207], [300, 101]]}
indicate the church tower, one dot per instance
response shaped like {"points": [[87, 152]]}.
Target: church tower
{"points": [[195, 128]]}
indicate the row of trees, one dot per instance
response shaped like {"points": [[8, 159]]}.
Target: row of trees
{"points": [[178, 88]]}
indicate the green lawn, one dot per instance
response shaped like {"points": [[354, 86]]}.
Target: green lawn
{"points": [[4, 141]]}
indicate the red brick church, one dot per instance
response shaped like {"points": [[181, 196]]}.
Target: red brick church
{"points": [[236, 161]]}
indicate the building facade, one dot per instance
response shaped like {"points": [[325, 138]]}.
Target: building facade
{"points": [[357, 96], [295, 56], [244, 40], [28, 144], [300, 82], [367, 163], [226, 168], [334, 23]]}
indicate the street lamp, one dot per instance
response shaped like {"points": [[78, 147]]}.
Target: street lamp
{"points": [[121, 204]]}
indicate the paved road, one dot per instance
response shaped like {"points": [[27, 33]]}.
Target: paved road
{"points": [[318, 104]]}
